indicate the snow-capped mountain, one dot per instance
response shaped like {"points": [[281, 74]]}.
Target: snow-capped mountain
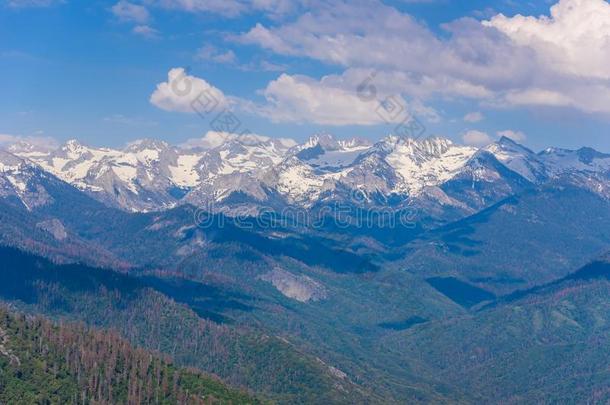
{"points": [[152, 175], [585, 167], [224, 170], [585, 160], [423, 163], [136, 178], [23, 180], [519, 159], [229, 164], [325, 153]]}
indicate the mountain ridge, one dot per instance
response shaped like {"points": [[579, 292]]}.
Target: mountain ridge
{"points": [[435, 174]]}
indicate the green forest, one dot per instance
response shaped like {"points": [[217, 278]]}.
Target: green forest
{"points": [[46, 363]]}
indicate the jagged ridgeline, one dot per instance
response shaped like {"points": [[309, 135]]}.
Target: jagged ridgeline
{"points": [[43, 363]]}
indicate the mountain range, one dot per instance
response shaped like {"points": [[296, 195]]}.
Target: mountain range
{"points": [[224, 172], [500, 272]]}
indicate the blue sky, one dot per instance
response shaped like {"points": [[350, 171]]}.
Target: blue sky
{"points": [[468, 70]]}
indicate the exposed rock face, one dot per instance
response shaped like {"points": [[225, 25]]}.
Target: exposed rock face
{"points": [[300, 288], [54, 227]]}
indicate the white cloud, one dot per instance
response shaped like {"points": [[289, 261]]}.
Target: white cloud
{"points": [[333, 100], [145, 31], [476, 138], [473, 117], [516, 136], [538, 96], [267, 66], [349, 35], [408, 58], [185, 93], [126, 11], [503, 62], [230, 8], [33, 3], [574, 40], [213, 54], [557, 61]]}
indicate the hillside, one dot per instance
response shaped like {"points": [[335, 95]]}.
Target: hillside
{"points": [[547, 345], [43, 362], [173, 316]]}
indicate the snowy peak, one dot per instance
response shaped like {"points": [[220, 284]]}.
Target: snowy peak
{"points": [[135, 178], [214, 139], [324, 141], [146, 144], [152, 175], [329, 143], [416, 148], [73, 149], [584, 161], [519, 159], [327, 154], [355, 143], [220, 165], [425, 163], [22, 179], [431, 146]]}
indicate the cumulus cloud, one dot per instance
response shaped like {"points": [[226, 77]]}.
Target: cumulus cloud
{"points": [[557, 61], [503, 62], [574, 40], [302, 99], [130, 12], [472, 117], [347, 34], [185, 93], [407, 57], [476, 138], [333, 100]]}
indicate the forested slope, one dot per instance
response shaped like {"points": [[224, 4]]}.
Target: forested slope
{"points": [[42, 362]]}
